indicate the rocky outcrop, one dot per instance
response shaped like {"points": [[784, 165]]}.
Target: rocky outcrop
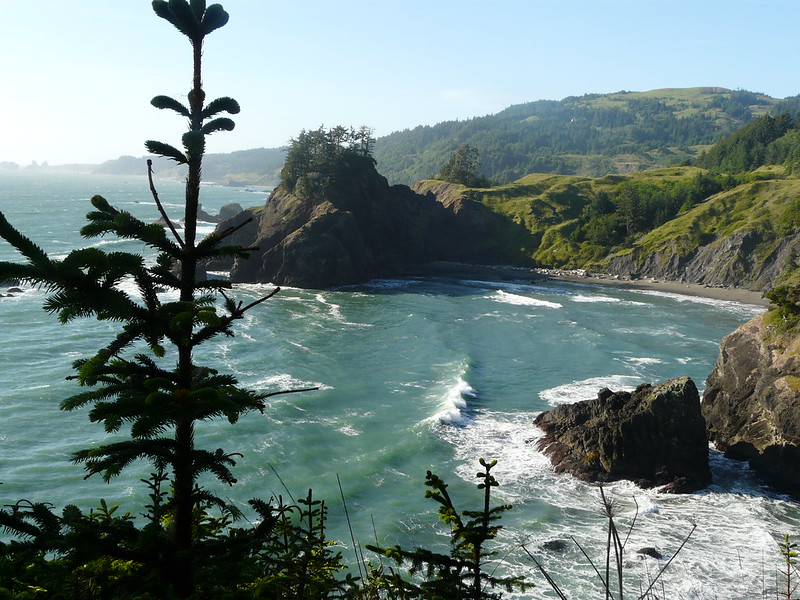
{"points": [[752, 402], [356, 227], [654, 436], [228, 211], [745, 259]]}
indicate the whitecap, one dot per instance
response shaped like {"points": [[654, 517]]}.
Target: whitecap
{"points": [[591, 299], [452, 408], [508, 298], [454, 404], [738, 308], [348, 430], [586, 389], [335, 312], [642, 360], [285, 381]]}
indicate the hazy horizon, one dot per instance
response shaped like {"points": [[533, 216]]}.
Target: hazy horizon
{"points": [[82, 76]]}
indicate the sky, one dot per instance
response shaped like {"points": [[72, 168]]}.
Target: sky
{"points": [[77, 77]]}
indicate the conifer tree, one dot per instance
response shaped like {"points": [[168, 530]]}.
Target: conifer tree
{"points": [[146, 378]]}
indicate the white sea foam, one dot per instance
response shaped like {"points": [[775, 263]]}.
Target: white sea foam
{"points": [[596, 299], [590, 299], [634, 360], [741, 525], [335, 312], [509, 298], [587, 389], [284, 381], [348, 430], [453, 408], [738, 308]]}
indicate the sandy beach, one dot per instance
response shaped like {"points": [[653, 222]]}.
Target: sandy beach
{"points": [[505, 273]]}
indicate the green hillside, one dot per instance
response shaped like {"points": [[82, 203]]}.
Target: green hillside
{"points": [[650, 223], [589, 135]]}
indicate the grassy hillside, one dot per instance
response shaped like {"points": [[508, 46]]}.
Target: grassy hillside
{"points": [[581, 222], [589, 135]]}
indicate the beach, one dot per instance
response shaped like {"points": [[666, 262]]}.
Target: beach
{"points": [[508, 273]]}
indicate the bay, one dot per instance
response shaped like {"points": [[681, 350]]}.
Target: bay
{"points": [[413, 375]]}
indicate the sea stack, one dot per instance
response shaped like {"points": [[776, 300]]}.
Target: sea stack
{"points": [[653, 436]]}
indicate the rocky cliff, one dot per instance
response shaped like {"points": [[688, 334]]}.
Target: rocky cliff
{"points": [[746, 259], [747, 237], [357, 227], [752, 401], [654, 436]]}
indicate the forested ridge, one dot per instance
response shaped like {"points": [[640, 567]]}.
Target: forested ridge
{"points": [[592, 135]]}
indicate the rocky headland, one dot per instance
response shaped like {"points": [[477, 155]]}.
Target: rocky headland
{"points": [[357, 227]]}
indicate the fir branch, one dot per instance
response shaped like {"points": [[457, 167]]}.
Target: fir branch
{"points": [[161, 210]]}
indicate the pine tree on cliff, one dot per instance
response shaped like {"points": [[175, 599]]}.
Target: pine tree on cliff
{"points": [[462, 167], [162, 395]]}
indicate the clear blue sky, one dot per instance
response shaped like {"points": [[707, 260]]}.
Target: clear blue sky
{"points": [[77, 76]]}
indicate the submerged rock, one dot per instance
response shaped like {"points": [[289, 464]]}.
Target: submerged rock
{"points": [[651, 552], [654, 436], [752, 402]]}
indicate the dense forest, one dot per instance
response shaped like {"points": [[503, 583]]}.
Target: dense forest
{"points": [[592, 135], [768, 140]]}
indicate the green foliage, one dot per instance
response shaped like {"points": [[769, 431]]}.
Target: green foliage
{"points": [[461, 573], [317, 159], [757, 144], [589, 135], [145, 380], [298, 561], [462, 167], [575, 222], [785, 312], [789, 572]]}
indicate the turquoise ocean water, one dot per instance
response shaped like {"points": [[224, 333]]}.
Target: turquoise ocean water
{"points": [[414, 374]]}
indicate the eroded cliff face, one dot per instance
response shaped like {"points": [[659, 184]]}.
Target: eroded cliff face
{"points": [[750, 260], [752, 402]]}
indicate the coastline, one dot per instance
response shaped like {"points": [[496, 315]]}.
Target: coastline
{"points": [[507, 273]]}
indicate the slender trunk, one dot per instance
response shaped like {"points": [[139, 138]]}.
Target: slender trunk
{"points": [[184, 475]]}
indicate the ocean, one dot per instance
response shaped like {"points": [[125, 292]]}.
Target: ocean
{"points": [[414, 374]]}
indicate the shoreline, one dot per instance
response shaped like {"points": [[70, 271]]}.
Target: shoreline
{"points": [[507, 273]]}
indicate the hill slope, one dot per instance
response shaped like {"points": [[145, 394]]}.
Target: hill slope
{"points": [[593, 135], [677, 223]]}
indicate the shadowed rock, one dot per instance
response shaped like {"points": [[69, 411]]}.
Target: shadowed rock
{"points": [[654, 436], [752, 402]]}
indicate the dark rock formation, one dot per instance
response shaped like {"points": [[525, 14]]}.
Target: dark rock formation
{"points": [[202, 215], [651, 552], [555, 545], [752, 402], [228, 211], [654, 436], [356, 227]]}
